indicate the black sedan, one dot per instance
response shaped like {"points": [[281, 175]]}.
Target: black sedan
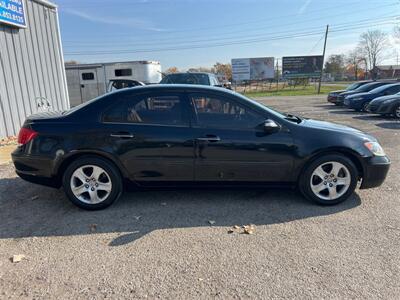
{"points": [[386, 105], [333, 96], [360, 101], [362, 89], [190, 135]]}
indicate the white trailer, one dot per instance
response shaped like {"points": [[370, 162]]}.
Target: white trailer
{"points": [[88, 81]]}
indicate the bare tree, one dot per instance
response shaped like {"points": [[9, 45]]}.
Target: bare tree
{"points": [[372, 44]]}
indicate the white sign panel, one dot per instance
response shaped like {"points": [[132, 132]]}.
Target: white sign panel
{"points": [[258, 68], [240, 69]]}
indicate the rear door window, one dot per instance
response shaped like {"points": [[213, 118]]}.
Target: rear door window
{"points": [[157, 110]]}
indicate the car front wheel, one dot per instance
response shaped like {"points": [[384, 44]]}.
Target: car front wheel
{"points": [[329, 179], [92, 183], [396, 112]]}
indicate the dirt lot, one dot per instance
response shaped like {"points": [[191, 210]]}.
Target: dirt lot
{"points": [[162, 245]]}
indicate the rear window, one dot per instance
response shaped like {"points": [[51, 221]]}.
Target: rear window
{"points": [[187, 78]]}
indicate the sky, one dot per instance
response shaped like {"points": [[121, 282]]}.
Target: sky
{"points": [[194, 33]]}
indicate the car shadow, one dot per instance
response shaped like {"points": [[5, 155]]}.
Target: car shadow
{"points": [[345, 112], [330, 106], [389, 125], [28, 210], [371, 118]]}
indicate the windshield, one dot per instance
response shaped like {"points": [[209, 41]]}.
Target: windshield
{"points": [[187, 78], [264, 107], [381, 88], [354, 86], [367, 87]]}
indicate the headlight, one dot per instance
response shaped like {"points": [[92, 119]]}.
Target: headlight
{"points": [[375, 148], [357, 98]]}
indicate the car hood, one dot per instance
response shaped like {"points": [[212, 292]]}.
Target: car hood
{"points": [[336, 127], [337, 92], [348, 93], [384, 98]]}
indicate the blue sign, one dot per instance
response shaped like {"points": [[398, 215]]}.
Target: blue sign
{"points": [[12, 12]]}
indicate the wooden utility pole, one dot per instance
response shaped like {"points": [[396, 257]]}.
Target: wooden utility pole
{"points": [[323, 58], [277, 75]]}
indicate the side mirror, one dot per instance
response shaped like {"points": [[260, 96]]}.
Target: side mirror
{"points": [[271, 127]]}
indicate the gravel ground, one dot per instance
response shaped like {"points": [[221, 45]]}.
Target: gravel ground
{"points": [[160, 244]]}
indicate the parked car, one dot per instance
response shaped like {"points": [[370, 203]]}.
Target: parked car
{"points": [[360, 101], [192, 135], [117, 84], [333, 96], [191, 78], [362, 89], [386, 105]]}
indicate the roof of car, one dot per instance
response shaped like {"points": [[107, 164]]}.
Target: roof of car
{"points": [[173, 87], [179, 73]]}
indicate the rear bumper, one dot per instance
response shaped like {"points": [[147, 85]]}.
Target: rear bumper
{"points": [[34, 169], [375, 171]]}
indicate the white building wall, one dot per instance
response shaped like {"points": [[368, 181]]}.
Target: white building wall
{"points": [[31, 67]]}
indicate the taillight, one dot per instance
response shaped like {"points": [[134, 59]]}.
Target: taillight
{"points": [[26, 135]]}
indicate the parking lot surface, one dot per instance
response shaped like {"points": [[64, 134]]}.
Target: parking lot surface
{"points": [[176, 245]]}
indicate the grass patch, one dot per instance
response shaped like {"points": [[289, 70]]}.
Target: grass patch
{"points": [[297, 91]]}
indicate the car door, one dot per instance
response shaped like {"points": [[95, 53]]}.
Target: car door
{"points": [[152, 136], [231, 144]]}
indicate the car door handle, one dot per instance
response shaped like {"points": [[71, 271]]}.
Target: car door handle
{"points": [[122, 135], [210, 138]]}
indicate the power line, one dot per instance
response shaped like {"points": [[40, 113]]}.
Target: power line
{"points": [[247, 36], [131, 51], [165, 33]]}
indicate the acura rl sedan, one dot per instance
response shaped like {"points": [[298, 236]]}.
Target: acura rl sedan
{"points": [[191, 136]]}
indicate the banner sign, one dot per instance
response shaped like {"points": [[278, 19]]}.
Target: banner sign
{"points": [[12, 12], [258, 68], [302, 66]]}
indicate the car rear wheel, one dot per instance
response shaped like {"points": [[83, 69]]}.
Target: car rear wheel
{"points": [[92, 183], [396, 112], [330, 179]]}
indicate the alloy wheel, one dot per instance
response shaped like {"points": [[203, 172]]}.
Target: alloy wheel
{"points": [[397, 112], [91, 184], [330, 180]]}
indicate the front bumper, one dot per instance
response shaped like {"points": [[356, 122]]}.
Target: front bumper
{"points": [[34, 169], [375, 170], [332, 98]]}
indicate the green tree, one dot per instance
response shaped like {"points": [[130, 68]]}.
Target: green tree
{"points": [[335, 65]]}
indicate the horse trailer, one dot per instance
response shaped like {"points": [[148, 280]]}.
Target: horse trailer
{"points": [[88, 81]]}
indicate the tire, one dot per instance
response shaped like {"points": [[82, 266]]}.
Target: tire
{"points": [[92, 183], [310, 182], [396, 111], [364, 107]]}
